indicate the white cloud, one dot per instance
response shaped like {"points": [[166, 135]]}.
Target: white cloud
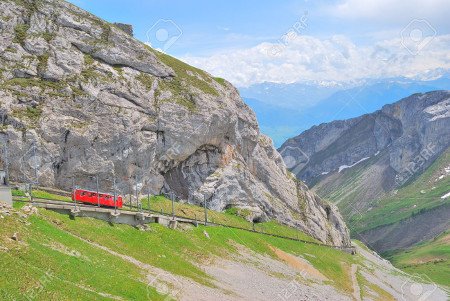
{"points": [[306, 58]]}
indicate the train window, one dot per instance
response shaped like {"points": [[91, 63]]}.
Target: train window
{"points": [[83, 193]]}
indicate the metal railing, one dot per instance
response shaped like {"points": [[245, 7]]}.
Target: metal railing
{"points": [[173, 215]]}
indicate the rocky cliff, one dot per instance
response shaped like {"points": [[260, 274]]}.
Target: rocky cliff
{"points": [[81, 98]]}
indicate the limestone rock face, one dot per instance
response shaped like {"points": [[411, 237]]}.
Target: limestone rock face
{"points": [[127, 28], [81, 98]]}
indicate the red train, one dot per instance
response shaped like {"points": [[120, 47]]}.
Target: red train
{"points": [[90, 197]]}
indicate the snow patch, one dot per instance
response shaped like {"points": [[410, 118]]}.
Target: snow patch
{"points": [[445, 196], [376, 154], [342, 167], [324, 173]]}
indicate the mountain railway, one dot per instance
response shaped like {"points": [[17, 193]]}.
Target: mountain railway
{"points": [[136, 216]]}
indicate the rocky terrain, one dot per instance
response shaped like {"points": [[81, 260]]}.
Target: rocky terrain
{"points": [[81, 98], [417, 126]]}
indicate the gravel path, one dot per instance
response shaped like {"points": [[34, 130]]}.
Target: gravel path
{"points": [[356, 290]]}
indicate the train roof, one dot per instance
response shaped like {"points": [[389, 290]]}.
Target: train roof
{"points": [[92, 191]]}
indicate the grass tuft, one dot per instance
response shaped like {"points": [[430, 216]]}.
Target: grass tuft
{"points": [[21, 33], [220, 80], [42, 63]]}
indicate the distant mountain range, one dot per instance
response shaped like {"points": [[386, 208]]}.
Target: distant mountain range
{"points": [[286, 110]]}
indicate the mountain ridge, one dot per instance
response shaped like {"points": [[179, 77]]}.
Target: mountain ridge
{"points": [[347, 101], [357, 162]]}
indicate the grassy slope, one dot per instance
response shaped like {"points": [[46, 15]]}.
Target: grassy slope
{"points": [[233, 218], [423, 193], [430, 258], [50, 242], [68, 267]]}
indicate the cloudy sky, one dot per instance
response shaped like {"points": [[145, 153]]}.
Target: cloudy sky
{"points": [[254, 41]]}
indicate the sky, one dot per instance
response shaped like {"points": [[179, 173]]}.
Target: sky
{"points": [[249, 42]]}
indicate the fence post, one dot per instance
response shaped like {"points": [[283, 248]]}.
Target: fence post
{"points": [[206, 210], [173, 205], [131, 206], [98, 196], [6, 163], [148, 201], [115, 198], [31, 192], [136, 192], [35, 164], [74, 195]]}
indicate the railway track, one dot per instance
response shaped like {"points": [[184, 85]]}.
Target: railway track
{"points": [[137, 209]]}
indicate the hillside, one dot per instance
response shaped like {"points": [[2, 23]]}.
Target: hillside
{"points": [[82, 100], [54, 257], [426, 193], [430, 258]]}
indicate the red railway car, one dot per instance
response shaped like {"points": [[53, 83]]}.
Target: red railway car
{"points": [[90, 197]]}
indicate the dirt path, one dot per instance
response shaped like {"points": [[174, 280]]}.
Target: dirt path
{"points": [[356, 290]]}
